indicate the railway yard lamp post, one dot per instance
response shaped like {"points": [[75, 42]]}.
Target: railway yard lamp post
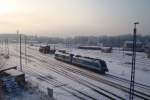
{"points": [[20, 53], [133, 63]]}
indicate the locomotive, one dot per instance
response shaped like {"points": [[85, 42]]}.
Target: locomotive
{"points": [[86, 62]]}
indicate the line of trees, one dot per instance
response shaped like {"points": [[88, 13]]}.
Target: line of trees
{"points": [[81, 40]]}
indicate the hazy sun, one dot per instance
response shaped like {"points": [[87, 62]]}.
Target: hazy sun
{"points": [[6, 6]]}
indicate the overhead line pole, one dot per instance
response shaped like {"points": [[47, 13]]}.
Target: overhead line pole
{"points": [[7, 47], [133, 63], [25, 49], [20, 54], [2, 46]]}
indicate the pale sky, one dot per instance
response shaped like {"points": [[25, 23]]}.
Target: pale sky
{"points": [[74, 17]]}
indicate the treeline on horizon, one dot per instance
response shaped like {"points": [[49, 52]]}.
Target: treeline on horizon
{"points": [[81, 40], [115, 41]]}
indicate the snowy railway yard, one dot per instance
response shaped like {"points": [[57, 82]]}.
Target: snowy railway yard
{"points": [[70, 82]]}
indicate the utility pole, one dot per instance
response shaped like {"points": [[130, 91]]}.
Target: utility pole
{"points": [[133, 63], [8, 47], [16, 39], [25, 49], [119, 44], [5, 46], [2, 46], [20, 55]]}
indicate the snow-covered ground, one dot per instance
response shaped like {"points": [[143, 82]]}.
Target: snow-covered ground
{"points": [[42, 70]]}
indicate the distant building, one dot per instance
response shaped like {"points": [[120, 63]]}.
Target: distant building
{"points": [[148, 55], [106, 49], [33, 42], [147, 49], [147, 46], [90, 47], [128, 46]]}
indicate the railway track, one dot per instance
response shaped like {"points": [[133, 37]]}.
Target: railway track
{"points": [[140, 94], [70, 76], [75, 70], [119, 87], [93, 87], [128, 81], [56, 83], [100, 91]]}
